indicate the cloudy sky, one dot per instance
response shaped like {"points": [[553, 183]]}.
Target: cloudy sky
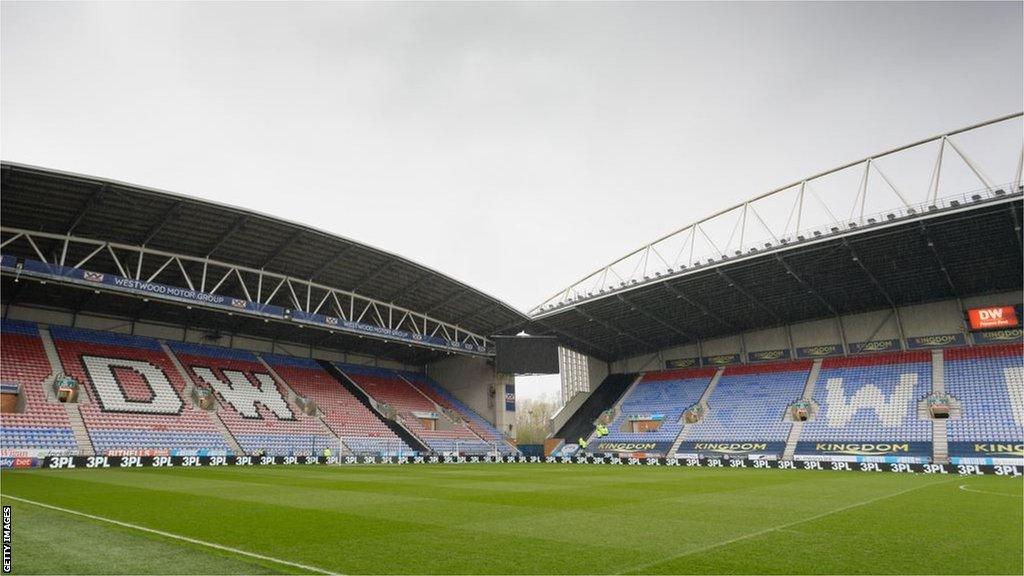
{"points": [[515, 147]]}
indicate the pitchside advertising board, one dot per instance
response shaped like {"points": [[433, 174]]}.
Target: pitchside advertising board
{"points": [[95, 462], [921, 450], [987, 449], [733, 448], [121, 284]]}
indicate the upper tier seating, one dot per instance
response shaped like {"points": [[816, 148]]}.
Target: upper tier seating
{"points": [[989, 383], [359, 428], [253, 406], [749, 403], [386, 386], [668, 393], [132, 397], [44, 425], [873, 399], [446, 399]]}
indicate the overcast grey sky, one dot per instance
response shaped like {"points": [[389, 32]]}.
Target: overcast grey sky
{"points": [[515, 147]]}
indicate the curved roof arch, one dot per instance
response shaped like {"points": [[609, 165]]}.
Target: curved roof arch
{"points": [[862, 193]]}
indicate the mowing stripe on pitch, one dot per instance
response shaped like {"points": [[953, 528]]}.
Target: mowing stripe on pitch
{"points": [[174, 536], [966, 489], [714, 545]]}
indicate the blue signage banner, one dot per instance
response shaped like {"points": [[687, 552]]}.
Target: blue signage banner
{"points": [[998, 336], [870, 448], [163, 291], [630, 447], [819, 351], [936, 341], [117, 283], [768, 355], [875, 346], [732, 448], [510, 397], [721, 359], [682, 363], [989, 449]]}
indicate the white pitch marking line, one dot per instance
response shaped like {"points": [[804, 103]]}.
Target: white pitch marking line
{"points": [[966, 489], [173, 536]]}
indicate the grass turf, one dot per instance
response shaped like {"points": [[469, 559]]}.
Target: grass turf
{"points": [[516, 518]]}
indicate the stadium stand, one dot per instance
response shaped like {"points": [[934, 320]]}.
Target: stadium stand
{"points": [[446, 399], [581, 423], [873, 399], [665, 394], [749, 404], [357, 426], [254, 407], [42, 425], [133, 398], [988, 381], [412, 407]]}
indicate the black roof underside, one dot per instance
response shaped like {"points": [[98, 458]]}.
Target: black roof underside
{"points": [[970, 252], [43, 200]]}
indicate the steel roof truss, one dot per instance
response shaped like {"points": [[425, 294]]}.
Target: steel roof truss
{"points": [[384, 313]]}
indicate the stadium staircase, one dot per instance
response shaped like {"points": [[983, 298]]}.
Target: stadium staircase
{"points": [[293, 399], [399, 430], [55, 365], [581, 424], [74, 414], [798, 427], [615, 408], [189, 385], [474, 422], [78, 427], [228, 436], [703, 403], [940, 433]]}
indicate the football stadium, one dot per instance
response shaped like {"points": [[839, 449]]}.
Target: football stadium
{"points": [[827, 377]]}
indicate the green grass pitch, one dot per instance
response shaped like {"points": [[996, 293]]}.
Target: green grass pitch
{"points": [[514, 519]]}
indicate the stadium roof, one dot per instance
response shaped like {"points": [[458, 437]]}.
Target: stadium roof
{"points": [[785, 256], [952, 253], [750, 272], [65, 204]]}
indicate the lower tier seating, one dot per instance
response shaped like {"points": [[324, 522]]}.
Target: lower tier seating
{"points": [[663, 395], [749, 404], [43, 426], [870, 401], [253, 406], [446, 399], [132, 397], [359, 428], [410, 405], [988, 382]]}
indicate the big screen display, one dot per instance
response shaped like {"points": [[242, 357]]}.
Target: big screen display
{"points": [[993, 317], [526, 354]]}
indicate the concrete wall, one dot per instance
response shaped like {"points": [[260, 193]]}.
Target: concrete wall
{"points": [[877, 325], [597, 371], [769, 339], [474, 381], [945, 317], [815, 332], [179, 333]]}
